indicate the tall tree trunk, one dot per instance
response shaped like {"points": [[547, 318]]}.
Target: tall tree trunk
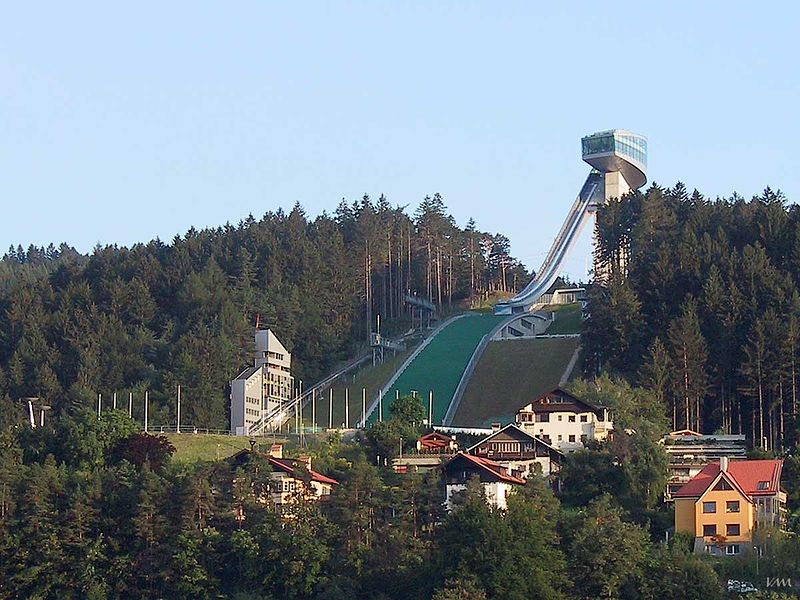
{"points": [[471, 270], [429, 270], [439, 274], [687, 415]]}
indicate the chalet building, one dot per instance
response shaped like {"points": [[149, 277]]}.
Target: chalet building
{"points": [[432, 450], [689, 452], [565, 421], [496, 480], [436, 443], [290, 479], [728, 501], [520, 451]]}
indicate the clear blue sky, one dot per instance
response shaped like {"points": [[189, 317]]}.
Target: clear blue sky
{"points": [[118, 125]]}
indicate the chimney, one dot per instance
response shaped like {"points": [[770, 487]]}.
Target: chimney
{"points": [[495, 427], [276, 451], [723, 464], [306, 460]]}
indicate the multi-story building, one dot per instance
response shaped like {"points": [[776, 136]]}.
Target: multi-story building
{"points": [[519, 451], [565, 421], [727, 502], [689, 452], [290, 480], [262, 389]]}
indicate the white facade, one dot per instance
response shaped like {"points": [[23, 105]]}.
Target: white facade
{"points": [[263, 388], [564, 422], [496, 493]]}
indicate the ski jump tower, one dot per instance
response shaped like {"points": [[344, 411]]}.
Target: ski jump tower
{"points": [[619, 165]]}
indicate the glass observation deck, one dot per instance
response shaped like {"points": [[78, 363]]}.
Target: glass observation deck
{"points": [[624, 143], [618, 150]]}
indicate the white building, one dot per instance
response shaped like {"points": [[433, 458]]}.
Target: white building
{"points": [[262, 389], [564, 421], [496, 480]]}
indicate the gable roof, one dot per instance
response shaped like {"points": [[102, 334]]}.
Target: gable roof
{"points": [[686, 432], [435, 436], [744, 474], [247, 373], [487, 466], [520, 432], [560, 400], [289, 466]]}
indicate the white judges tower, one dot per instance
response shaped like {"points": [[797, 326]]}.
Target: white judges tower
{"points": [[262, 389]]}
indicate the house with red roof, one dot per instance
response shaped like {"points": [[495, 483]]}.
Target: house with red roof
{"points": [[519, 450], [290, 479], [728, 501], [436, 443], [496, 480]]}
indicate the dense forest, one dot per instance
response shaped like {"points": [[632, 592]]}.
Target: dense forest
{"points": [[91, 508], [157, 315], [701, 306]]}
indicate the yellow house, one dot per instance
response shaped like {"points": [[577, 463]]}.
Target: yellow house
{"points": [[727, 501]]}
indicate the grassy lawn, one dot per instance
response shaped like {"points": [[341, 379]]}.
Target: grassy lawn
{"points": [[191, 447], [568, 319], [371, 378], [509, 375]]}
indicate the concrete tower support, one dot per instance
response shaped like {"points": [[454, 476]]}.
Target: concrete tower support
{"points": [[619, 165]]}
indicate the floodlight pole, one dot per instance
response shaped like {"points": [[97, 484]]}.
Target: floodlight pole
{"points": [[363, 407]]}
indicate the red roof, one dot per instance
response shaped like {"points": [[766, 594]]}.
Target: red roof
{"points": [[746, 474], [492, 467], [291, 466], [435, 440]]}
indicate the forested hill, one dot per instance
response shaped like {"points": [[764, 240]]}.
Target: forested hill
{"points": [[707, 312], [155, 315]]}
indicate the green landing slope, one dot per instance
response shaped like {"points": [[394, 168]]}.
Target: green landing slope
{"points": [[509, 375], [439, 366]]}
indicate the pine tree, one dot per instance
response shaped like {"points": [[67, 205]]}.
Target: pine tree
{"points": [[688, 353]]}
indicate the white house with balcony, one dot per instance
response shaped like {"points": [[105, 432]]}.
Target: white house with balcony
{"points": [[565, 421]]}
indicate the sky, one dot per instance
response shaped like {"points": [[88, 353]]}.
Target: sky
{"points": [[119, 124]]}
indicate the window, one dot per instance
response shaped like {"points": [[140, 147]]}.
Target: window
{"points": [[571, 418], [723, 485], [709, 530], [732, 529], [763, 485], [732, 549], [584, 418], [546, 439], [560, 437], [709, 507], [732, 506], [543, 417], [559, 417], [572, 439]]}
